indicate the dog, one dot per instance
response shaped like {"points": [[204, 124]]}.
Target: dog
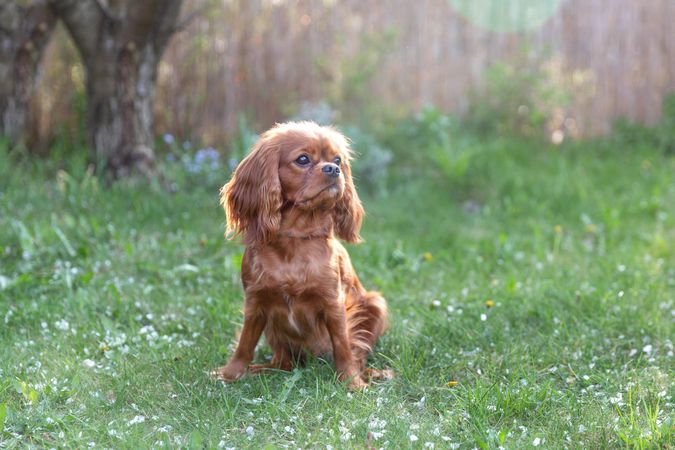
{"points": [[290, 200]]}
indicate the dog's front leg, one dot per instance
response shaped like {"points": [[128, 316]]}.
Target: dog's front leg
{"points": [[336, 323], [254, 322]]}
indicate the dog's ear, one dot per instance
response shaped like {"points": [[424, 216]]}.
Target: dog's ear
{"points": [[252, 198], [348, 213]]}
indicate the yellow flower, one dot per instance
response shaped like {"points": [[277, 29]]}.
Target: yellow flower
{"points": [[452, 383], [557, 229], [489, 303], [428, 256], [591, 228]]}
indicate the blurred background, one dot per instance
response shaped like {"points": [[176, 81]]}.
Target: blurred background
{"points": [[555, 69], [225, 70]]}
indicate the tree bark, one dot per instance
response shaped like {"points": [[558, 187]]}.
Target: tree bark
{"points": [[25, 30], [121, 43]]}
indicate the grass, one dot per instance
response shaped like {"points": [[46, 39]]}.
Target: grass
{"points": [[114, 304]]}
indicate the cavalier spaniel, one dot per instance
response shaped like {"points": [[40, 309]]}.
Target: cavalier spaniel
{"points": [[290, 200]]}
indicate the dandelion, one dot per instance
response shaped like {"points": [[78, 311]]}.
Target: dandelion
{"points": [[452, 383], [428, 256], [557, 229], [489, 303]]}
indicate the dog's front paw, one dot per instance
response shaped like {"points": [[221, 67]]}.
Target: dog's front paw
{"points": [[378, 374], [232, 371], [357, 384]]}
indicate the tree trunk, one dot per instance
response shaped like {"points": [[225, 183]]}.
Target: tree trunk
{"points": [[121, 43], [25, 30]]}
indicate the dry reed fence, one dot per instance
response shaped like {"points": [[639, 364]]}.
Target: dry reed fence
{"points": [[262, 58]]}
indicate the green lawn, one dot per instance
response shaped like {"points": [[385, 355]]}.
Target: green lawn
{"points": [[114, 304]]}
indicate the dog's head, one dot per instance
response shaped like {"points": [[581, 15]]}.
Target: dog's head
{"points": [[299, 164]]}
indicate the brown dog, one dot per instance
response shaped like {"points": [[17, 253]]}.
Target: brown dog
{"points": [[290, 200]]}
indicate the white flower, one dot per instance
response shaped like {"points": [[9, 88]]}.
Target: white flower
{"points": [[136, 419], [249, 430], [536, 442], [483, 317], [89, 364], [616, 399], [62, 325], [647, 348], [413, 438]]}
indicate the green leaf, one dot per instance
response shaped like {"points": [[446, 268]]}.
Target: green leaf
{"points": [[33, 396], [26, 240], [502, 437], [196, 439], [237, 258], [3, 415], [64, 240], [290, 384]]}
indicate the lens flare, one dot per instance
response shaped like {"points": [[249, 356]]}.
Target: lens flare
{"points": [[506, 15]]}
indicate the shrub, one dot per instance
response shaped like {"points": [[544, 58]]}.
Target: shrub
{"points": [[523, 98], [371, 171], [431, 140], [660, 136]]}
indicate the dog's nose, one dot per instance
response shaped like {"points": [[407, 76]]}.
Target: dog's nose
{"points": [[332, 170]]}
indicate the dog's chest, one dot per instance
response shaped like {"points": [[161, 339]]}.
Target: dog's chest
{"points": [[294, 318], [298, 275]]}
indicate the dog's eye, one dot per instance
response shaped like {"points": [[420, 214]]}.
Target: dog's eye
{"points": [[303, 160], [337, 160]]}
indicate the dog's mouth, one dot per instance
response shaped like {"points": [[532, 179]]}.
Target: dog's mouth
{"points": [[333, 188]]}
